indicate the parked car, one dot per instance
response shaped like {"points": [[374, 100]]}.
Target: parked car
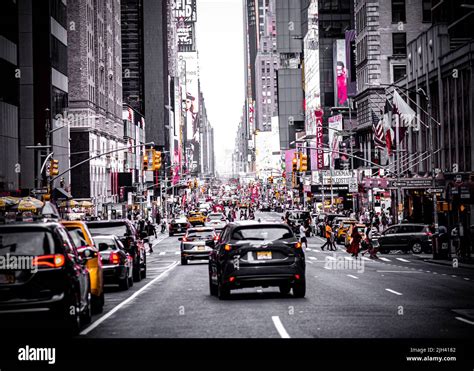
{"points": [[128, 235], [217, 221], [197, 244], [178, 225], [83, 240], [252, 254], [196, 218], [57, 279], [405, 237], [118, 264]]}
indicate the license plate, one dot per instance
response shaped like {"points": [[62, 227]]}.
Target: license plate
{"points": [[6, 278], [201, 248], [264, 255]]}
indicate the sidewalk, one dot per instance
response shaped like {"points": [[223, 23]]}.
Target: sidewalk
{"points": [[448, 262]]}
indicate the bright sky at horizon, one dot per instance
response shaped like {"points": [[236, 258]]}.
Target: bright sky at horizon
{"points": [[220, 42]]}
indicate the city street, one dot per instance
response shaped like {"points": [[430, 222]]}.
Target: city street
{"points": [[398, 296]]}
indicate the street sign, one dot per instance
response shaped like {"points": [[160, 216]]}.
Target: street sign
{"points": [[41, 191], [413, 183], [353, 186], [435, 190]]}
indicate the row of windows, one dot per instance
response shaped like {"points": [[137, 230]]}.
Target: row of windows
{"points": [[399, 13]]}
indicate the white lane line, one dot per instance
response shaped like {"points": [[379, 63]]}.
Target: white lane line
{"points": [[126, 301], [366, 258], [393, 292], [310, 262], [162, 253], [308, 249], [327, 268], [350, 275], [464, 320], [177, 252], [384, 259], [279, 326], [313, 258], [398, 272], [330, 258], [348, 258], [403, 260]]}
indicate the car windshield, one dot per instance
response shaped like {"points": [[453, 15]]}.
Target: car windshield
{"points": [[201, 235], [117, 229], [216, 216], [262, 234], [20, 241], [104, 243]]}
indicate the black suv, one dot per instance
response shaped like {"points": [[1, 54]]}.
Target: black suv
{"points": [[48, 276], [252, 254], [128, 235], [405, 237]]}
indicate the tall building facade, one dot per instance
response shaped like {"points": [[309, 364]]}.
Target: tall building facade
{"points": [[95, 99], [34, 91]]}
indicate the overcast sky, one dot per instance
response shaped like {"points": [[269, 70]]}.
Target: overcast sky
{"points": [[219, 33]]}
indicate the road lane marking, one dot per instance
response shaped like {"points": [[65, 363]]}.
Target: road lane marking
{"points": [[394, 292], [310, 262], [313, 258], [464, 320], [327, 268], [177, 252], [403, 260], [365, 258], [279, 326], [398, 272], [126, 301], [350, 275], [162, 253], [384, 259], [330, 258], [348, 258]]}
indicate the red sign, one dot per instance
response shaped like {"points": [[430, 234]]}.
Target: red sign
{"points": [[319, 143]]}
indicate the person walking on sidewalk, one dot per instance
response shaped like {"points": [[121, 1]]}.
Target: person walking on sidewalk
{"points": [[354, 247], [151, 231], [328, 232], [303, 238]]}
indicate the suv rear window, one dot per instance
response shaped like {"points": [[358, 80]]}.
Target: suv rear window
{"points": [[20, 241], [201, 234], [262, 233], [117, 229]]}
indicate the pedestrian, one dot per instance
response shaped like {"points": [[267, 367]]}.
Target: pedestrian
{"points": [[151, 231], [328, 231], [354, 246], [303, 238], [333, 241]]}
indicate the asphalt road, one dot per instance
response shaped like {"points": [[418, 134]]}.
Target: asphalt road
{"points": [[397, 296]]}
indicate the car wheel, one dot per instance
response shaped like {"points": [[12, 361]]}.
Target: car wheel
{"points": [[416, 247], [223, 292], [98, 303], [184, 261], [137, 277], [68, 313], [285, 289], [212, 287], [86, 315], [299, 289], [130, 280], [124, 283]]}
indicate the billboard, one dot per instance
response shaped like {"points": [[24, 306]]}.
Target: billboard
{"points": [[340, 73], [185, 35], [334, 126], [192, 94], [351, 63], [319, 143], [184, 10]]}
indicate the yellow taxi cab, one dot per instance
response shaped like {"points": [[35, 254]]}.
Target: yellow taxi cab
{"points": [[82, 238], [348, 239], [342, 229], [196, 218]]}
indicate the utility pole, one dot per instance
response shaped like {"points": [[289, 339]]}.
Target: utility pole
{"points": [[47, 128]]}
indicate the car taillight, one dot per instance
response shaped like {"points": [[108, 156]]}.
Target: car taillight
{"points": [[49, 261], [114, 258], [298, 245], [429, 234], [185, 239], [216, 238], [297, 276], [227, 247]]}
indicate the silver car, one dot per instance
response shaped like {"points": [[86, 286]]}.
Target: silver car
{"points": [[218, 221], [197, 244]]}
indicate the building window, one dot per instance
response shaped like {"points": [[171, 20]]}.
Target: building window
{"points": [[398, 11], [399, 71], [399, 42], [426, 10]]}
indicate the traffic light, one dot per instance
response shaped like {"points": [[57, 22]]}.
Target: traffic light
{"points": [[145, 161], [295, 163], [156, 160], [270, 179], [54, 167], [303, 163]]}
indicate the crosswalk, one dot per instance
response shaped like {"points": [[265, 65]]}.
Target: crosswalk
{"points": [[329, 255]]}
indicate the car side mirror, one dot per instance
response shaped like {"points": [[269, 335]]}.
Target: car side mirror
{"points": [[180, 239], [87, 253]]}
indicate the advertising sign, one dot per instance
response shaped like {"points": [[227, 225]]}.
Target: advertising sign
{"points": [[319, 143], [351, 62], [185, 34], [335, 126], [340, 73], [192, 94], [184, 10]]}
